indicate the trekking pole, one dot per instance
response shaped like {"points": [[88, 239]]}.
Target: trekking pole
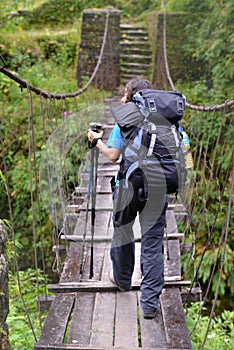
{"points": [[94, 157], [87, 210], [91, 191], [93, 208]]}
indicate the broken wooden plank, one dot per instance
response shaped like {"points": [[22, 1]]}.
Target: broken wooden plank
{"points": [[81, 323], [174, 319], [55, 324]]}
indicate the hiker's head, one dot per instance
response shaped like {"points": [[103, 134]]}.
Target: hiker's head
{"points": [[133, 86]]}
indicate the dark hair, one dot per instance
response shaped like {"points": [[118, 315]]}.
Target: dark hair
{"points": [[135, 85]]}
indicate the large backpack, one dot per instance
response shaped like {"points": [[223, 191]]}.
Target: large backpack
{"points": [[150, 127]]}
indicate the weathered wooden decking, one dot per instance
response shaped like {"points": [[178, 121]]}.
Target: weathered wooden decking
{"points": [[91, 313]]}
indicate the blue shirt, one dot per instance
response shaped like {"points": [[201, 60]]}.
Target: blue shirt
{"points": [[116, 140]]}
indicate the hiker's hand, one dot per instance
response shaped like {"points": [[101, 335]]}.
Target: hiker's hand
{"points": [[94, 135]]}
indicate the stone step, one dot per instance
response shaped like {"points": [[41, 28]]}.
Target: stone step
{"points": [[135, 52], [132, 50], [133, 73], [126, 37], [135, 58], [126, 27], [135, 65], [137, 43]]}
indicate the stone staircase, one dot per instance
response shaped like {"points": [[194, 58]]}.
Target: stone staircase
{"points": [[135, 53]]}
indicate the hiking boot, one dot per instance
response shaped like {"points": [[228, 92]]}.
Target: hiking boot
{"points": [[149, 315], [112, 279]]}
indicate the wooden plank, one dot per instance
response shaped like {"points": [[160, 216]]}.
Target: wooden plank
{"points": [[98, 209], [103, 183], [108, 237], [107, 265], [136, 276], [56, 322], [152, 331], [81, 323], [171, 222], [172, 267], [104, 313], [44, 302], [104, 201], [98, 256], [177, 207], [174, 319], [77, 347], [83, 190], [97, 286], [191, 295], [186, 247], [103, 320], [71, 269], [102, 222], [126, 327]]}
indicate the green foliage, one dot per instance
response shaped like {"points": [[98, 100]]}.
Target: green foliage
{"points": [[221, 333], [211, 40], [49, 76], [211, 199], [47, 59], [65, 12], [22, 50], [57, 11], [21, 335]]}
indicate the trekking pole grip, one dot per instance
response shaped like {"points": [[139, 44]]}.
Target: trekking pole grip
{"points": [[96, 127]]}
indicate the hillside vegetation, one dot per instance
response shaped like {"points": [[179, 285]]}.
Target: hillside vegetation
{"points": [[39, 41]]}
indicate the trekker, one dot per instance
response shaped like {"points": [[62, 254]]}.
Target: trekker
{"points": [[128, 202]]}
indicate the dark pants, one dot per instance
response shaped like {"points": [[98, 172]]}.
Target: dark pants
{"points": [[127, 203]]}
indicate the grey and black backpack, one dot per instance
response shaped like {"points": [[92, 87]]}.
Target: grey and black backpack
{"points": [[150, 127]]}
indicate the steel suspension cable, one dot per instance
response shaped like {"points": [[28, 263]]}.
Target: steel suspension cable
{"points": [[32, 155], [226, 104], [165, 51], [14, 241], [222, 238], [225, 234]]}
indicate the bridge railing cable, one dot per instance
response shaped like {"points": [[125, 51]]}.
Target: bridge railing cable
{"points": [[53, 160], [226, 104], [23, 84], [209, 173]]}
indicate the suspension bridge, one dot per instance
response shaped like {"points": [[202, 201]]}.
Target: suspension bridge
{"points": [[86, 311]]}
